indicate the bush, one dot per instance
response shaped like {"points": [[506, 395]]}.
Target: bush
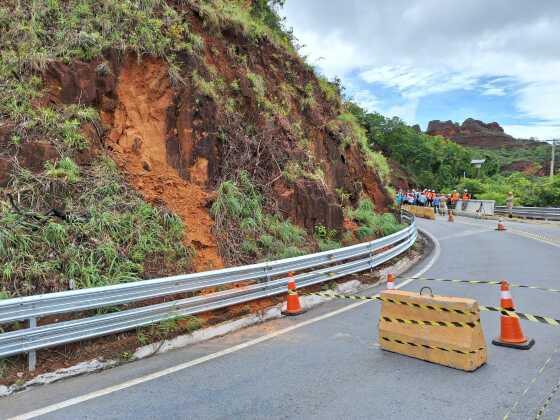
{"points": [[108, 236], [371, 224], [245, 231]]}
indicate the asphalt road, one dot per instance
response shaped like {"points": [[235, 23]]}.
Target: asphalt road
{"points": [[326, 363]]}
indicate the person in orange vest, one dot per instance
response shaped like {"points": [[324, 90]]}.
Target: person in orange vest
{"points": [[454, 198], [466, 198]]}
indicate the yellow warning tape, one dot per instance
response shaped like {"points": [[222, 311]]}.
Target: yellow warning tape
{"points": [[527, 317], [399, 302], [432, 323], [514, 314], [492, 282], [426, 346]]}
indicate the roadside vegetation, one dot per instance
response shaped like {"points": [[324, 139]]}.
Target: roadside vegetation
{"points": [[372, 225], [105, 234], [246, 232], [430, 161], [527, 191]]}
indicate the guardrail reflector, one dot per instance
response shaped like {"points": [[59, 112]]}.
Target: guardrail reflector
{"points": [[439, 329]]}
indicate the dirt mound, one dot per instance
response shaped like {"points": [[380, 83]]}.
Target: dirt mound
{"points": [[138, 143]]}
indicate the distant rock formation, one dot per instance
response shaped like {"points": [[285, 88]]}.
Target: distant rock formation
{"points": [[475, 133]]}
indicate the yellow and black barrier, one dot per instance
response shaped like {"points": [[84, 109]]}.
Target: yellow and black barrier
{"points": [[452, 337], [425, 212]]}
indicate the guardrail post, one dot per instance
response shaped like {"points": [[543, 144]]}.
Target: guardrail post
{"points": [[32, 355], [371, 257], [267, 275]]}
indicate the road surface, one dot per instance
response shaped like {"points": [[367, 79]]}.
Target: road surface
{"points": [[326, 364]]}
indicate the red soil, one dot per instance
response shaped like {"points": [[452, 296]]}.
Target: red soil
{"points": [[138, 142]]}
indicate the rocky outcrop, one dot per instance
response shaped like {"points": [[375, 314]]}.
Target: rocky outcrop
{"points": [[475, 133]]}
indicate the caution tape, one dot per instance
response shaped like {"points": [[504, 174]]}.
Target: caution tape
{"points": [[514, 314], [527, 317], [426, 346], [398, 302], [491, 282], [432, 323]]}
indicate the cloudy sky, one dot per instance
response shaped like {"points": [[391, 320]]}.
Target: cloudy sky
{"points": [[494, 60]]}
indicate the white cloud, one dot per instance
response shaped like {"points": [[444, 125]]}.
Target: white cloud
{"points": [[406, 111], [538, 131], [540, 100], [415, 83], [366, 99], [422, 47]]}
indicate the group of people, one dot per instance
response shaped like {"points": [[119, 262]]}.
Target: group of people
{"points": [[430, 198]]}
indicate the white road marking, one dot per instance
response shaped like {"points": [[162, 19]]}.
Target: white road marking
{"points": [[523, 233], [150, 377]]}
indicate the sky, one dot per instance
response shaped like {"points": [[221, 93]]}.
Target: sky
{"points": [[423, 60]]}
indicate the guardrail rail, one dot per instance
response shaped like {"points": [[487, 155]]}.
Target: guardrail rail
{"points": [[543, 213], [268, 279]]}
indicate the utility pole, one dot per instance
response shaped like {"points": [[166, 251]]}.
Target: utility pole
{"points": [[552, 159]]}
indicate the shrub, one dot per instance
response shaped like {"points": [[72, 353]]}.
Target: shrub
{"points": [[108, 234], [65, 169], [371, 224], [246, 231]]}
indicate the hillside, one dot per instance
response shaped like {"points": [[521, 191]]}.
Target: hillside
{"points": [[475, 133], [489, 141], [144, 138]]}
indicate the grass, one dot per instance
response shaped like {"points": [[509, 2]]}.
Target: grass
{"points": [[110, 235], [330, 91], [326, 238], [351, 132], [249, 232], [370, 224]]}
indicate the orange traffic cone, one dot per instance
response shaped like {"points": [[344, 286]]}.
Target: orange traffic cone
{"points": [[450, 217], [501, 226], [293, 307], [510, 327], [390, 281]]}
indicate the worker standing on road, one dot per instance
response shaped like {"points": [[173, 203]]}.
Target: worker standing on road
{"points": [[454, 198], [466, 198], [436, 201], [509, 204], [443, 204]]}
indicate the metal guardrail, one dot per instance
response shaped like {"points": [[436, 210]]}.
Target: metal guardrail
{"points": [[327, 266], [544, 213]]}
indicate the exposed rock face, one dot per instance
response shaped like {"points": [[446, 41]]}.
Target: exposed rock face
{"points": [[475, 133]]}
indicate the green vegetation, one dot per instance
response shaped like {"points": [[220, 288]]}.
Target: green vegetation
{"points": [[106, 234], [372, 225], [527, 191], [432, 161], [166, 329], [351, 131], [501, 160], [246, 232], [326, 238]]}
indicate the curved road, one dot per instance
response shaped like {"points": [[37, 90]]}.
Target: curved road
{"points": [[326, 364]]}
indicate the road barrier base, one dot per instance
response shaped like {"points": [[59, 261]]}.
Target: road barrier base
{"points": [[438, 329], [519, 346]]}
